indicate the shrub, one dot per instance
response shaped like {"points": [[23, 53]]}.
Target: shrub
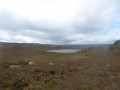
{"points": [[21, 82]]}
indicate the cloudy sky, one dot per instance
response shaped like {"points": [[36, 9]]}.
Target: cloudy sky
{"points": [[60, 21]]}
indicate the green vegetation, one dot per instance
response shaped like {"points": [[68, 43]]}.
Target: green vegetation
{"points": [[92, 69]]}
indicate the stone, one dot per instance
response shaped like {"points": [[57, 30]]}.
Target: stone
{"points": [[51, 64], [52, 72], [108, 65], [14, 66], [32, 63]]}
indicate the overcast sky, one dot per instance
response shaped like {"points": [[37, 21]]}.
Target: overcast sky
{"points": [[60, 21]]}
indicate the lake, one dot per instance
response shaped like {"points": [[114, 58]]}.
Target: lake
{"points": [[65, 50]]}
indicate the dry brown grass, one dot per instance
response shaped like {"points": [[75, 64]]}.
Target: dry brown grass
{"points": [[91, 69]]}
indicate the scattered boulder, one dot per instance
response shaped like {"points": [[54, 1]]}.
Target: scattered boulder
{"points": [[32, 63], [62, 64], [108, 65], [14, 66], [51, 64], [52, 72], [49, 71]]}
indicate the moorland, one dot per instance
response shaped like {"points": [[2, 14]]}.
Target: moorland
{"points": [[96, 67]]}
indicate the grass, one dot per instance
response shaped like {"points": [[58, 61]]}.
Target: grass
{"points": [[91, 69]]}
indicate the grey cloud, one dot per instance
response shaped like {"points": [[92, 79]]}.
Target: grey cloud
{"points": [[94, 29], [15, 24], [11, 21]]}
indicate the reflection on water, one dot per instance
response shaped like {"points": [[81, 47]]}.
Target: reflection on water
{"points": [[65, 50]]}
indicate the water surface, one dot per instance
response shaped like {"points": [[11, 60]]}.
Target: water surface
{"points": [[65, 50]]}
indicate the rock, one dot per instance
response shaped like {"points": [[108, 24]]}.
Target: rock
{"points": [[115, 85], [52, 72], [62, 64], [108, 65], [14, 66], [49, 71], [32, 63], [51, 64]]}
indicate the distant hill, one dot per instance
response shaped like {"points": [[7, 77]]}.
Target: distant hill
{"points": [[82, 46], [1, 42]]}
